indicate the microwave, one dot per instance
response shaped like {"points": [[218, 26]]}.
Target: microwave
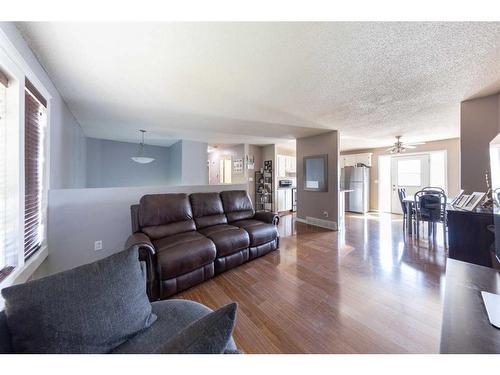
{"points": [[285, 183]]}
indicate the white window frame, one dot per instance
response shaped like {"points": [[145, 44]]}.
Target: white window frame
{"points": [[17, 68]]}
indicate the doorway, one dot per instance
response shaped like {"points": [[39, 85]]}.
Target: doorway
{"points": [[225, 169], [411, 173]]}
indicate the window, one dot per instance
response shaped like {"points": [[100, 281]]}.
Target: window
{"points": [[8, 257], [34, 130], [23, 178], [4, 270], [409, 173]]}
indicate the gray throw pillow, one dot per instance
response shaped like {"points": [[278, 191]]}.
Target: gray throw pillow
{"points": [[89, 309], [207, 335]]}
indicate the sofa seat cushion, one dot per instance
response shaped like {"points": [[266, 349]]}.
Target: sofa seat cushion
{"points": [[228, 239], [182, 253], [258, 231], [173, 317]]}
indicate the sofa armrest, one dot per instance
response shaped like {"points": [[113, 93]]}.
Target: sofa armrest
{"points": [[147, 254], [267, 217], [142, 241]]}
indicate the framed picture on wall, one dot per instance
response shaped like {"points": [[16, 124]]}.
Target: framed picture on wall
{"points": [[316, 173]]}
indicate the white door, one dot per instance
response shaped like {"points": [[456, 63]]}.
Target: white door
{"points": [[411, 173], [225, 170]]}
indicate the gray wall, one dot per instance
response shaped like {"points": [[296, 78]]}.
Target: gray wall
{"points": [[175, 164], [194, 163], [311, 203], [78, 217], [109, 164], [67, 141], [479, 124], [255, 152]]}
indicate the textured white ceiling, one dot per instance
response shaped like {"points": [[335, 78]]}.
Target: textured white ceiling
{"points": [[262, 82]]}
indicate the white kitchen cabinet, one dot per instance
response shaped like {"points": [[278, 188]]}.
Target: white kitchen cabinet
{"points": [[281, 193], [286, 165], [352, 160], [366, 159], [284, 200], [281, 168], [288, 199], [290, 164]]}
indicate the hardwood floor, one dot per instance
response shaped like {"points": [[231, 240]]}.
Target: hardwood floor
{"points": [[361, 290]]}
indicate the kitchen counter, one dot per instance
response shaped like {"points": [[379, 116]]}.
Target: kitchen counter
{"points": [[341, 225]]}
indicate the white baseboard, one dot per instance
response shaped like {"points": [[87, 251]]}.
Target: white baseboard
{"points": [[327, 224]]}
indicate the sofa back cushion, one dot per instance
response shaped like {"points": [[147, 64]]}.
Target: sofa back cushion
{"points": [[237, 205], [162, 215], [89, 309], [207, 209]]}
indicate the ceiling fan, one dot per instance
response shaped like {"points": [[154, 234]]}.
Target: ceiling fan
{"points": [[400, 147]]}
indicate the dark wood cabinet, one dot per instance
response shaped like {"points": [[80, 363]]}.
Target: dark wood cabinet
{"points": [[469, 238], [465, 327]]}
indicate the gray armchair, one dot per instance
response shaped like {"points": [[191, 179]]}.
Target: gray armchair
{"points": [[172, 317], [102, 307]]}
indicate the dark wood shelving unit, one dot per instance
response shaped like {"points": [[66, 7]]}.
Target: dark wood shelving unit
{"points": [[264, 188]]}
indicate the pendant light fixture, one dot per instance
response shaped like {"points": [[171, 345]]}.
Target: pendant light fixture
{"points": [[140, 158]]}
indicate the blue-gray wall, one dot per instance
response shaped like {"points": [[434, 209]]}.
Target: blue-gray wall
{"points": [[109, 165], [194, 163], [175, 163]]}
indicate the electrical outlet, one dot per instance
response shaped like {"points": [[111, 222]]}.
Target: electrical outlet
{"points": [[325, 213], [97, 245]]}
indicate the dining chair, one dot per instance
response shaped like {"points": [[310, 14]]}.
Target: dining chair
{"points": [[430, 207], [404, 208], [432, 189]]}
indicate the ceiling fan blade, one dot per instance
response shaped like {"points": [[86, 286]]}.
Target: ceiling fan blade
{"points": [[409, 146], [415, 144], [390, 148]]}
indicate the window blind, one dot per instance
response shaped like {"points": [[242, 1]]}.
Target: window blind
{"points": [[35, 106]]}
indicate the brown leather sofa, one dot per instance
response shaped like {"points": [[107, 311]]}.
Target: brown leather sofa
{"points": [[186, 240]]}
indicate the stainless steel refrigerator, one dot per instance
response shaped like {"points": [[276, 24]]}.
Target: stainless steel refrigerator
{"points": [[356, 179]]}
